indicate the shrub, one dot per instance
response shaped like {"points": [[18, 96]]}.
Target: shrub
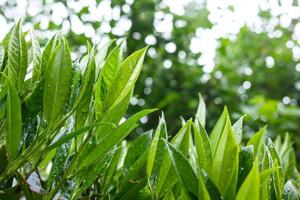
{"points": [[62, 135], [196, 165]]}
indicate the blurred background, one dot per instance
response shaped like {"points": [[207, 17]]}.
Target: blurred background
{"points": [[243, 54]]}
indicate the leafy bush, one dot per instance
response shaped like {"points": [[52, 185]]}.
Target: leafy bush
{"points": [[196, 165], [63, 135]]}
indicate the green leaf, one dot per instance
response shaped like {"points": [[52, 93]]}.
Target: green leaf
{"points": [[203, 148], [113, 116], [238, 129], [250, 189], [101, 55], [217, 130], [287, 156], [278, 175], [86, 91], [14, 120], [74, 90], [184, 195], [267, 163], [211, 188], [267, 158], [202, 193], [225, 161], [257, 139], [157, 148], [246, 159], [264, 175], [36, 59], [120, 133], [167, 177], [109, 70], [183, 169], [132, 193], [49, 49], [125, 78], [17, 57], [277, 181], [201, 111], [273, 151], [57, 81]]}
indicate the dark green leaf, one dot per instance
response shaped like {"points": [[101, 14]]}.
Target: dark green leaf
{"points": [[157, 148], [203, 148], [17, 57], [167, 177], [250, 189], [184, 170], [57, 81], [246, 159], [36, 59], [14, 120]]}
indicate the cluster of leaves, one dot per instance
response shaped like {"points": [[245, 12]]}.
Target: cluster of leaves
{"points": [[64, 114], [198, 165], [62, 135]]}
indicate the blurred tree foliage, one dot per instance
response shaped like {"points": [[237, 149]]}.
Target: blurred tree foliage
{"points": [[256, 71]]}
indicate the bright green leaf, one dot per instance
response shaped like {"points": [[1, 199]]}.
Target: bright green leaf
{"points": [[225, 160], [201, 111], [57, 81], [250, 189], [218, 130], [238, 129], [184, 170], [14, 120]]}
